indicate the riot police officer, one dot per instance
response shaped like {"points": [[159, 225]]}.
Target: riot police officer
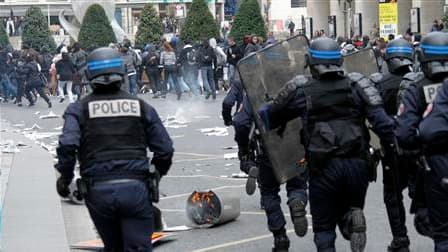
{"points": [[333, 107], [255, 162], [433, 131], [398, 170], [418, 93], [109, 131]]}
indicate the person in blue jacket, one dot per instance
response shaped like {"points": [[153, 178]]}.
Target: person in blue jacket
{"points": [[333, 107], [417, 108], [109, 132], [257, 165]]}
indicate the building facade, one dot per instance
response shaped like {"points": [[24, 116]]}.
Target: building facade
{"points": [[361, 17], [127, 13]]}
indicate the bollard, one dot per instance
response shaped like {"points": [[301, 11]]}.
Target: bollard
{"points": [[207, 209]]}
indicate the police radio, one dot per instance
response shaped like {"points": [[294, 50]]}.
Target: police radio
{"points": [[153, 183]]}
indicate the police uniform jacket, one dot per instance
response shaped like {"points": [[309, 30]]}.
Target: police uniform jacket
{"points": [[110, 134]]}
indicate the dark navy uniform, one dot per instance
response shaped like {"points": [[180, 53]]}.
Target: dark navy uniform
{"points": [[434, 136], [109, 132], [269, 186], [333, 108], [416, 103], [398, 170]]}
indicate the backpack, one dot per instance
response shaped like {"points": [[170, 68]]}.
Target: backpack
{"points": [[191, 57], [220, 57]]}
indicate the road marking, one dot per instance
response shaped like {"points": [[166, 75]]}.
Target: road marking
{"points": [[211, 189], [202, 176], [196, 154], [196, 159], [234, 243]]}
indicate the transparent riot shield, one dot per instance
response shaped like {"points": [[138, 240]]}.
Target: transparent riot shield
{"points": [[363, 61], [263, 74]]}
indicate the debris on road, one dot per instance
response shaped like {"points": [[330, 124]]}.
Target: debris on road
{"points": [[177, 228], [216, 131], [207, 209], [240, 175], [50, 115], [8, 147], [231, 156], [34, 127], [235, 147], [97, 244]]}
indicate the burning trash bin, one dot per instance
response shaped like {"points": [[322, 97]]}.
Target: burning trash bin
{"points": [[207, 209]]}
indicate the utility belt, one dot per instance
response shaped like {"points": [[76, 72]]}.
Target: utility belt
{"points": [[84, 185]]}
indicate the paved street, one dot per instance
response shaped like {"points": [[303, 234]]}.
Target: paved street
{"points": [[199, 164]]}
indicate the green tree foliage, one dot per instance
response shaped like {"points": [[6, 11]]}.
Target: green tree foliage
{"points": [[248, 21], [150, 27], [96, 30], [36, 33], [4, 40], [199, 23]]}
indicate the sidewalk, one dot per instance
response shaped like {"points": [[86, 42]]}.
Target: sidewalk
{"points": [[32, 218]]}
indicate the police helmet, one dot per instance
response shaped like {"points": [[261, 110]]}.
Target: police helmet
{"points": [[433, 54], [399, 54], [104, 67], [324, 51], [324, 57]]}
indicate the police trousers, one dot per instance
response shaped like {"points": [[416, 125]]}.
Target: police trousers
{"points": [[333, 190], [123, 215], [399, 173], [436, 191], [270, 188]]}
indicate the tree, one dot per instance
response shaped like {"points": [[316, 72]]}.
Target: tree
{"points": [[4, 40], [150, 27], [96, 30], [248, 21], [36, 33], [199, 23]]}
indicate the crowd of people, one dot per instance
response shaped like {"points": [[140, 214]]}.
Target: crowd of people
{"points": [[171, 66]]}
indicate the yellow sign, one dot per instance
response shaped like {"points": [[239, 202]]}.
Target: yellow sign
{"points": [[388, 18]]}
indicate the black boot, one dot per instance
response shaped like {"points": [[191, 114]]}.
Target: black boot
{"points": [[298, 217], [49, 104], [399, 244], [251, 183], [281, 242]]}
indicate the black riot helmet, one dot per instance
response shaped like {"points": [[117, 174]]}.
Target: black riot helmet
{"points": [[399, 55], [105, 68], [433, 55], [324, 56]]}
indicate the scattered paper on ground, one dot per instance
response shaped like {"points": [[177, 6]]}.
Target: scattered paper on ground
{"points": [[34, 127], [40, 135], [98, 244], [9, 147], [177, 228], [50, 115], [216, 131], [239, 175], [231, 155]]}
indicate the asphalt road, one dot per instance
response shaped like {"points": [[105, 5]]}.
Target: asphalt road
{"points": [[199, 164]]}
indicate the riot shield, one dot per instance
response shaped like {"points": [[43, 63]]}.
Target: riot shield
{"points": [[263, 74], [363, 61]]}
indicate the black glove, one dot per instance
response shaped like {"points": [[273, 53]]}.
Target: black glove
{"points": [[62, 187]]}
